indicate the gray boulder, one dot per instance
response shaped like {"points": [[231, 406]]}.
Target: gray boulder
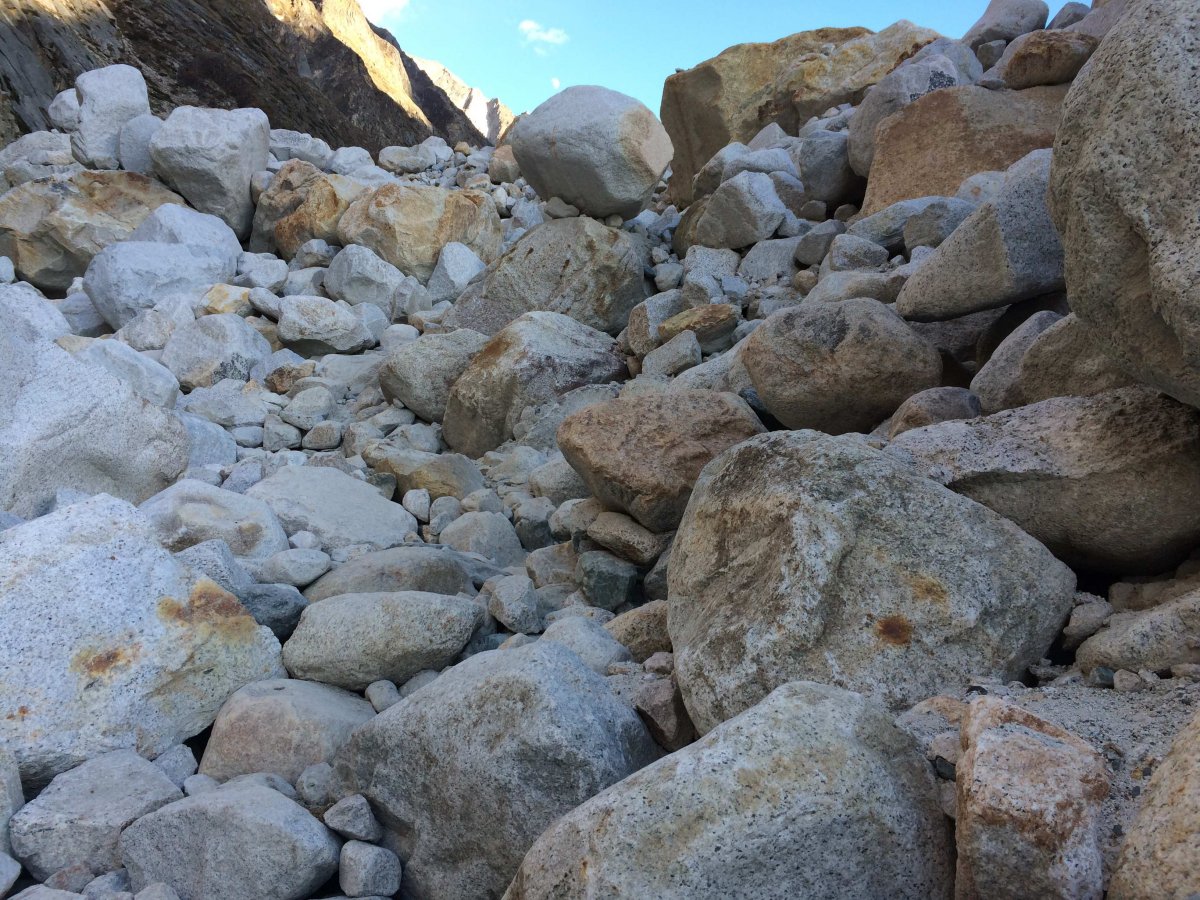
{"points": [[1004, 20], [131, 276], [852, 583], [79, 817], [1131, 232], [594, 148], [357, 275], [210, 155], [353, 640], [576, 266], [527, 762], [314, 326], [240, 841], [744, 210], [538, 358], [1106, 482], [339, 509], [420, 374], [115, 643], [191, 511], [108, 98], [1006, 251], [66, 423], [417, 567], [213, 348], [150, 380], [457, 265], [173, 223], [862, 821]]}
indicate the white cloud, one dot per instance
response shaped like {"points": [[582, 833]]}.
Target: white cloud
{"points": [[555, 83], [536, 34], [375, 10]]}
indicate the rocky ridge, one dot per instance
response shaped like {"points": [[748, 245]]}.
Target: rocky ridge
{"points": [[749, 511]]}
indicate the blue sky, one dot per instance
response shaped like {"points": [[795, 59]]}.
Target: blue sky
{"points": [[522, 51]]}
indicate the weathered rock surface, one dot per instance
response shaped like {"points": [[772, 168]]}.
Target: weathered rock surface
{"points": [[65, 423], [1106, 482], [281, 726], [352, 640], [838, 367], [421, 373], [111, 643], [530, 761], [931, 146], [576, 267], [817, 530], [191, 511], [1028, 805], [598, 150], [642, 454], [242, 840], [79, 817], [1130, 230], [408, 224], [539, 357], [705, 820]]}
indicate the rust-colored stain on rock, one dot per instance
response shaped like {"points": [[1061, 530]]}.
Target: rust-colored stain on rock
{"points": [[96, 664], [928, 589], [895, 630], [209, 605]]}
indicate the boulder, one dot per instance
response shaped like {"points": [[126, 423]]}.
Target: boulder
{"points": [[1105, 482], [642, 453], [78, 818], [281, 726], [861, 817], [941, 64], [935, 405], [732, 96], [108, 98], [352, 640], [598, 150], [538, 358], [528, 734], [437, 570], [1044, 57], [210, 155], [419, 374], [213, 348], [148, 379], [127, 278], [1130, 231], [408, 224], [1005, 252], [315, 326], [111, 643], [1004, 20], [339, 509], [456, 267], [838, 367], [1028, 806], [190, 512], [301, 204], [842, 549], [932, 145], [52, 229], [1159, 858], [356, 275], [577, 267], [242, 840], [487, 534], [68, 423], [1151, 640], [742, 211]]}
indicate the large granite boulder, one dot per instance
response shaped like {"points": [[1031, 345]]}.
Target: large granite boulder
{"points": [[1121, 192], [808, 556]]}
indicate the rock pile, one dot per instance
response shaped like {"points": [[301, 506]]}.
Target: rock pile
{"points": [[796, 498]]}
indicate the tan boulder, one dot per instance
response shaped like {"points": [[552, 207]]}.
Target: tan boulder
{"points": [[643, 630], [409, 224], [301, 203], [1044, 57], [931, 146], [51, 228], [1029, 807], [1123, 194], [734, 95], [1161, 856], [642, 454]]}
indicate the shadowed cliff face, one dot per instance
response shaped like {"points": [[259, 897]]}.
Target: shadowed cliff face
{"points": [[311, 65]]}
